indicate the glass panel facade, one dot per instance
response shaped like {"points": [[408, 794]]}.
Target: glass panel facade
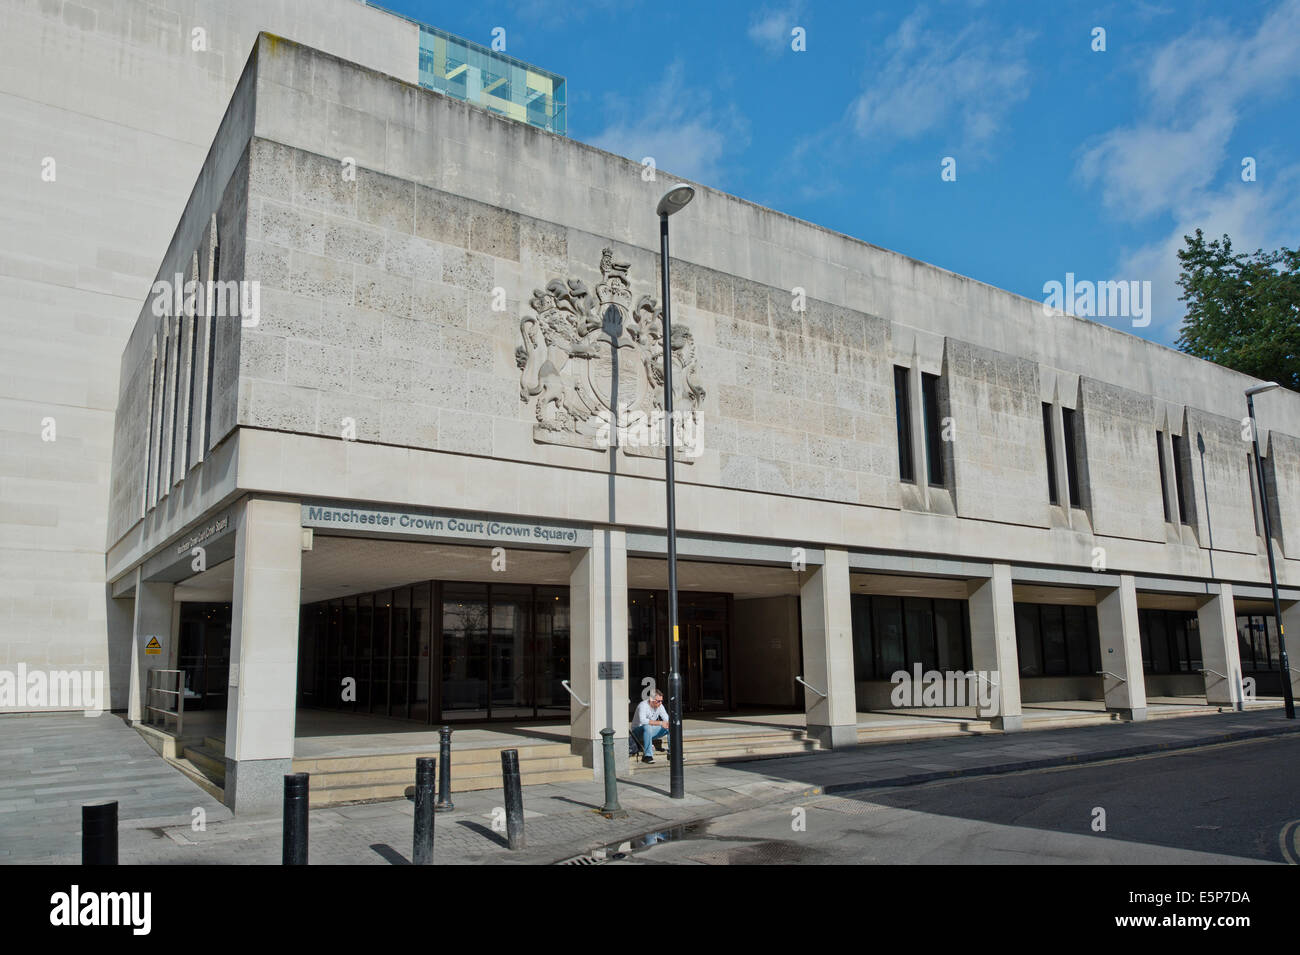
{"points": [[892, 634], [1171, 641], [1257, 643], [440, 651], [1057, 640], [502, 84]]}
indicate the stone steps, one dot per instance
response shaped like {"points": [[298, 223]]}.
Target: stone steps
{"points": [[336, 780]]}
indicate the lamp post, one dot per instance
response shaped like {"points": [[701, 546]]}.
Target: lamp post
{"points": [[674, 200], [1268, 546]]}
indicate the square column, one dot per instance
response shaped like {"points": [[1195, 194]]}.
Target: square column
{"points": [[827, 618], [598, 633], [993, 643], [1121, 650], [263, 654], [1216, 620], [153, 619]]}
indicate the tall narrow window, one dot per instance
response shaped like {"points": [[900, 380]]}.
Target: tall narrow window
{"points": [[1050, 446], [1071, 456], [211, 356], [933, 428], [1180, 479], [1164, 479], [1254, 494], [153, 400], [903, 414]]}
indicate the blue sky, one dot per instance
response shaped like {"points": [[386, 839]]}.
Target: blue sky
{"points": [[1067, 159]]}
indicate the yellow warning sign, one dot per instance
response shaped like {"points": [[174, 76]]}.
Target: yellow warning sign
{"points": [[153, 646], [675, 635]]}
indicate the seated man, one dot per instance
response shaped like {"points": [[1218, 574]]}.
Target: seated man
{"points": [[651, 722]]}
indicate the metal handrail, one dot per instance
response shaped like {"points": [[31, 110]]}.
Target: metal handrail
{"points": [[1109, 673], [152, 681], [565, 684], [980, 676], [1221, 676], [800, 679]]}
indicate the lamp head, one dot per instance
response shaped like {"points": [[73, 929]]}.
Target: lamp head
{"points": [[675, 199], [1259, 389]]}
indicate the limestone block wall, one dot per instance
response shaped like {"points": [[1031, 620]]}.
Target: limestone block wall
{"points": [[999, 464], [1123, 494]]}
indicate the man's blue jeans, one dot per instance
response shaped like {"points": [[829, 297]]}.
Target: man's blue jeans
{"points": [[646, 735]]}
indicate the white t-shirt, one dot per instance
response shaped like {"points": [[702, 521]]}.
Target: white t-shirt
{"points": [[645, 713]]}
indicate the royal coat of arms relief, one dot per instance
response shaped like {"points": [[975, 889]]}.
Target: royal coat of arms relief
{"points": [[593, 364]]}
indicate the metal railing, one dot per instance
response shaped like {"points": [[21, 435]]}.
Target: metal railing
{"points": [[1109, 673], [565, 684], [800, 679], [1221, 676], [157, 715]]}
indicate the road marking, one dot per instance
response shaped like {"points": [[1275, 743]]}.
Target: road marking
{"points": [[1288, 841]]}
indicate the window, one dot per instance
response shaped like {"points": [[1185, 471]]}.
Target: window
{"points": [[1050, 446], [1253, 473], [1180, 479], [1171, 641], [211, 355], [1164, 479], [1071, 456], [903, 414], [1257, 642], [893, 633], [933, 428], [1057, 640]]}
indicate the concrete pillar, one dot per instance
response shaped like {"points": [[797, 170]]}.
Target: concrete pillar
{"points": [[993, 643], [1216, 620], [120, 618], [263, 654], [1291, 631], [827, 620], [598, 634], [1121, 650], [153, 620]]}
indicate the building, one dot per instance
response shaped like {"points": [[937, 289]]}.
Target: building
{"points": [[109, 108], [418, 479]]}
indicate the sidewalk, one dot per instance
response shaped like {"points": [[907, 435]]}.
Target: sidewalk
{"points": [[560, 819]]}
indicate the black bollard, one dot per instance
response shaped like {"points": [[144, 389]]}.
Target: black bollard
{"points": [[295, 819], [425, 770], [611, 809], [444, 780], [99, 834], [514, 798]]}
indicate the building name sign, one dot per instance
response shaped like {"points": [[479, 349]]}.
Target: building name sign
{"points": [[432, 524], [185, 546]]}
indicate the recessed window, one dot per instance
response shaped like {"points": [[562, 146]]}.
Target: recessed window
{"points": [[903, 414], [1164, 479], [1180, 480], [1071, 456], [1050, 445], [933, 428]]}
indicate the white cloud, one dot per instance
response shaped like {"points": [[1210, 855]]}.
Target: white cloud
{"points": [[1196, 87], [934, 81], [1174, 162], [771, 27], [678, 126]]}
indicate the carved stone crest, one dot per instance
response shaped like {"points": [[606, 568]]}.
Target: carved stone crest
{"points": [[590, 359]]}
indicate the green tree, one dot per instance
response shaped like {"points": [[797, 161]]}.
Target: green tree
{"points": [[1243, 311]]}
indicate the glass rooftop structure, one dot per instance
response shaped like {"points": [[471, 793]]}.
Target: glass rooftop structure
{"points": [[480, 75]]}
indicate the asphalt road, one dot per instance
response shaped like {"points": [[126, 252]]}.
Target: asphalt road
{"points": [[1231, 803]]}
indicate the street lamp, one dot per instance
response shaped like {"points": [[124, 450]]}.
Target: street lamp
{"points": [[1268, 545], [674, 200]]}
